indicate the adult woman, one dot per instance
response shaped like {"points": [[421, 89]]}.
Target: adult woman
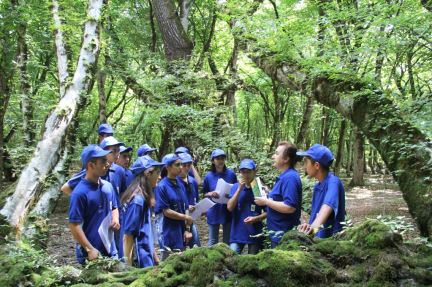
{"points": [[172, 208], [285, 199], [137, 202], [219, 213]]}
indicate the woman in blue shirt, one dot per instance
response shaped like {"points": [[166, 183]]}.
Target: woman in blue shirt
{"points": [[137, 202], [172, 208], [219, 213], [285, 199]]}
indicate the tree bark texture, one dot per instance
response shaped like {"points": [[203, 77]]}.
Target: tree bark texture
{"points": [[357, 179], [177, 44], [101, 78], [339, 155], [404, 148], [51, 149], [301, 137]]}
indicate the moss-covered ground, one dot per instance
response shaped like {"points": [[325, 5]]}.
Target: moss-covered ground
{"points": [[368, 255]]}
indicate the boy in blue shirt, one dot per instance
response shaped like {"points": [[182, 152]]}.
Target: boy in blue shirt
{"points": [[145, 149], [328, 201], [123, 161], [90, 203], [246, 215], [193, 172]]}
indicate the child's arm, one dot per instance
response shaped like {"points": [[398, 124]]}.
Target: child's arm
{"points": [[196, 175], [128, 247], [66, 189], [234, 199], [115, 225], [322, 217], [79, 236], [279, 206]]}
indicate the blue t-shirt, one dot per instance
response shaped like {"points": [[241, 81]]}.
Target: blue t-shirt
{"points": [[74, 180], [89, 204], [287, 189], [240, 232], [170, 195], [137, 222], [129, 177], [218, 213], [331, 192], [192, 193]]}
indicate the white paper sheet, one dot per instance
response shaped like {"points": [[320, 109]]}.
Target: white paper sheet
{"points": [[106, 235], [223, 189], [201, 207]]}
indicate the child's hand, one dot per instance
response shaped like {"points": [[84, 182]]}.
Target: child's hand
{"points": [[305, 228], [93, 254], [250, 220], [115, 225], [191, 208]]}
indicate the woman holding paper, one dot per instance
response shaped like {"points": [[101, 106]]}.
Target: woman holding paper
{"points": [[172, 208], [285, 199], [219, 213], [137, 202], [192, 194], [247, 216]]}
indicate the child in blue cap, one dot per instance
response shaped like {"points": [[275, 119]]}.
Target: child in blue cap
{"points": [[105, 130], [172, 208], [193, 172], [123, 161], [92, 200], [246, 215], [145, 149], [137, 202], [192, 193], [218, 214], [328, 201], [285, 199]]}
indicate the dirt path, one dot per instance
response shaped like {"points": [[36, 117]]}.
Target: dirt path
{"points": [[369, 201]]}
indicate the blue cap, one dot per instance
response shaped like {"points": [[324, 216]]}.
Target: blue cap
{"points": [[181, 149], [143, 163], [92, 151], [144, 148], [217, 152], [185, 157], [125, 149], [320, 153], [105, 128], [247, 163], [110, 141], [169, 158]]}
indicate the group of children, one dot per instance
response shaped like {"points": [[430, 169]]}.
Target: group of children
{"points": [[170, 190]]}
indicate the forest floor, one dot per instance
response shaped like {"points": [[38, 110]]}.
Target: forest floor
{"points": [[379, 196]]}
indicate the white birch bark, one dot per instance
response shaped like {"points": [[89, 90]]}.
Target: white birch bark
{"points": [[50, 150]]}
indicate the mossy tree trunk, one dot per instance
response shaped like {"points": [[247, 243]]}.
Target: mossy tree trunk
{"points": [[358, 173], [339, 156]]}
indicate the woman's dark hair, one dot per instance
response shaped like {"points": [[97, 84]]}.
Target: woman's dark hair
{"points": [[164, 171], [140, 185], [290, 151]]}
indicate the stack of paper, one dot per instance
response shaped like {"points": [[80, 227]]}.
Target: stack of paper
{"points": [[223, 189], [105, 233], [201, 207]]}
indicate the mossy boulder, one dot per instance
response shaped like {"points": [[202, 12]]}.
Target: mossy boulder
{"points": [[368, 255], [35, 231]]}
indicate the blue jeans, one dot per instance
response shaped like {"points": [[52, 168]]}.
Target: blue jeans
{"points": [[195, 239], [214, 233], [238, 247]]}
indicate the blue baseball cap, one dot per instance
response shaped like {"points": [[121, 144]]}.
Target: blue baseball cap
{"points": [[143, 163], [185, 157], [92, 151], [105, 128], [169, 158], [110, 141], [181, 149], [320, 153], [125, 149], [144, 148], [217, 152], [247, 163]]}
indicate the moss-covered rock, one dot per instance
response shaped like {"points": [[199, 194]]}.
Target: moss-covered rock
{"points": [[35, 231], [369, 255]]}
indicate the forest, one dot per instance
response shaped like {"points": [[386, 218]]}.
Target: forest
{"points": [[240, 75]]}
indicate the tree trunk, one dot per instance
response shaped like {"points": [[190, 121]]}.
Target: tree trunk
{"points": [[50, 151], [357, 179], [101, 78], [177, 44], [305, 122], [370, 160], [339, 156]]}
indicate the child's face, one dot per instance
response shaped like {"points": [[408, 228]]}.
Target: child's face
{"points": [[112, 157], [219, 161], [101, 166], [248, 175], [310, 168], [185, 168], [123, 160], [175, 168], [153, 177]]}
